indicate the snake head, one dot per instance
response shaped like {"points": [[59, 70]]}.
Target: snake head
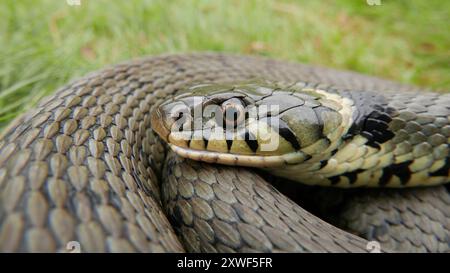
{"points": [[250, 124]]}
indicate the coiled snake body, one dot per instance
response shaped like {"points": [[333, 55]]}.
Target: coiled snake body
{"points": [[86, 165]]}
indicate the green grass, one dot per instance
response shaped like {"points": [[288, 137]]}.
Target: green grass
{"points": [[43, 44]]}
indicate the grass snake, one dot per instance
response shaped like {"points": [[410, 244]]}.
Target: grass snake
{"points": [[86, 166]]}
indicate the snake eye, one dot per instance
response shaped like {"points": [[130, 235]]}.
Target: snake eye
{"points": [[233, 113]]}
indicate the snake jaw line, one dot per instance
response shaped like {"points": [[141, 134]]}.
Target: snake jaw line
{"points": [[240, 160]]}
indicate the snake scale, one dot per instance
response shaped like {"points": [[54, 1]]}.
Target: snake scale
{"points": [[86, 166]]}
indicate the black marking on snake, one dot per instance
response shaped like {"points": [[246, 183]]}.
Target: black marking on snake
{"points": [[375, 125], [444, 170], [323, 163], [189, 142], [284, 131], [400, 170], [287, 134], [334, 179], [370, 138], [352, 176], [251, 141], [371, 118], [229, 143], [385, 117], [246, 115], [376, 129]]}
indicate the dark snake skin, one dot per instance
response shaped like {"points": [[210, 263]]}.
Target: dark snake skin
{"points": [[86, 166]]}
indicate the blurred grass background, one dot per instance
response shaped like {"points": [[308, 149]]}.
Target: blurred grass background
{"points": [[45, 43]]}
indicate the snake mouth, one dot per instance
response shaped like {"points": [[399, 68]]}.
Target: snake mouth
{"points": [[240, 160]]}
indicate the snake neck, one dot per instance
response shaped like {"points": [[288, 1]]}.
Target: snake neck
{"points": [[387, 144]]}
